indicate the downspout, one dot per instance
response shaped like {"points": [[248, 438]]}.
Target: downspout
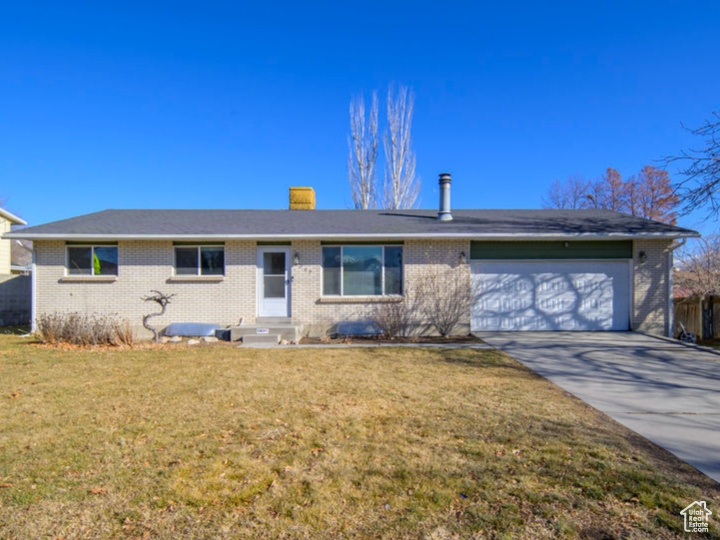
{"points": [[33, 277], [671, 301]]}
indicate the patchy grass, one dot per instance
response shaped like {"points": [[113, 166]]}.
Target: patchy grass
{"points": [[217, 441]]}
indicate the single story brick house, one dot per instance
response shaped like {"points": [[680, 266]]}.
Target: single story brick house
{"points": [[528, 269]]}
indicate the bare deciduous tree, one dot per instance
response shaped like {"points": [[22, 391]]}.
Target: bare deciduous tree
{"points": [[701, 186], [363, 145], [443, 296], [393, 318], [648, 195], [609, 192], [400, 185], [162, 300], [571, 194], [698, 267]]}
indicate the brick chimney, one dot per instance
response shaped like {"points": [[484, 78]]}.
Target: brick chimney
{"points": [[302, 198]]}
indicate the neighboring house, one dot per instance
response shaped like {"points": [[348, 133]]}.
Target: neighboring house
{"points": [[21, 257], [530, 269], [7, 220], [15, 290]]}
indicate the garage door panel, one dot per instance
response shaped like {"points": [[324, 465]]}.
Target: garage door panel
{"points": [[553, 295]]}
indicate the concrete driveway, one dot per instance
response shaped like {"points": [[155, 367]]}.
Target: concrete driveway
{"points": [[665, 391]]}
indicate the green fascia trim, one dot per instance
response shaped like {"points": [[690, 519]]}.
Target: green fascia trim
{"points": [[274, 243], [621, 249], [392, 243]]}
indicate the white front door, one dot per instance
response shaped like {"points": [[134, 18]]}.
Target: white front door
{"points": [[273, 282], [551, 295]]}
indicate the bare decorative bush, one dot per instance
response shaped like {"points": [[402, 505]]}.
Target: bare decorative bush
{"points": [[393, 318], [162, 300], [86, 330], [444, 296]]}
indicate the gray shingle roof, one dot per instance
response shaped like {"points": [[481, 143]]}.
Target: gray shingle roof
{"points": [[359, 224]]}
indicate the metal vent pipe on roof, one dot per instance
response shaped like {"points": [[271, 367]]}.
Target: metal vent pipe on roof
{"points": [[444, 213]]}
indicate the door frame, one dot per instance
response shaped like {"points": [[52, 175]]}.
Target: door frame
{"points": [[261, 250]]}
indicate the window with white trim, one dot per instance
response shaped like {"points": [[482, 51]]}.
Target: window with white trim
{"points": [[92, 260], [362, 270], [200, 260]]}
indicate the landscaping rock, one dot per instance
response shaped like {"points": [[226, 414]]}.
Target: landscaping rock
{"points": [[210, 339], [193, 341], [175, 339], [283, 342], [164, 339]]}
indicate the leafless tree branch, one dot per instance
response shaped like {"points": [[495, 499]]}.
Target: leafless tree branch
{"points": [[698, 267], [571, 194], [400, 185], [701, 186], [363, 146]]}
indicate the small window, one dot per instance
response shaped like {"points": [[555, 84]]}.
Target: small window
{"points": [[331, 271], [92, 260], [199, 261], [362, 270]]}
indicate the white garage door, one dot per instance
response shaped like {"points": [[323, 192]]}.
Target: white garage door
{"points": [[551, 295]]}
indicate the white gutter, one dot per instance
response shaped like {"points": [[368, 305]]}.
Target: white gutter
{"points": [[354, 236], [671, 300], [33, 296], [12, 218]]}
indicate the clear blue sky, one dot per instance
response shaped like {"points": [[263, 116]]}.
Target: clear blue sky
{"points": [[225, 104]]}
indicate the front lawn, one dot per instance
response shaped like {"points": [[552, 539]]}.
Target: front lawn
{"points": [[221, 442]]}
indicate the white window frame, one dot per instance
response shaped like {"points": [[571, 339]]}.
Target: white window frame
{"points": [[92, 257], [382, 273], [199, 264]]}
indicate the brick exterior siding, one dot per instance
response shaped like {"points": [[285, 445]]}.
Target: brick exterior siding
{"points": [[148, 265], [651, 310], [321, 314]]}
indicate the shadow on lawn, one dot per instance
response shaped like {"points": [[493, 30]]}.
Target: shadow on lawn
{"points": [[483, 358]]}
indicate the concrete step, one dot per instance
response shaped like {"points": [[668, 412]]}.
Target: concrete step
{"points": [[260, 321], [288, 332], [261, 339]]}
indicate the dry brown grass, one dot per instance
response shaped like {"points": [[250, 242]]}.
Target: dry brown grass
{"points": [[218, 442]]}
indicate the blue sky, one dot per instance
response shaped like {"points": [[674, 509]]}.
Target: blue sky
{"points": [[226, 104]]}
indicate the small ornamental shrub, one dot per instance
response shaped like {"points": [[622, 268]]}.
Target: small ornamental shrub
{"points": [[85, 330], [392, 318]]}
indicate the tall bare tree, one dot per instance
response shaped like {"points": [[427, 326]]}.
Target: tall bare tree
{"points": [[400, 185], [701, 186], [363, 145], [570, 195]]}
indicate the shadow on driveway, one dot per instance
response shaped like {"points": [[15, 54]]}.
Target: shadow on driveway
{"points": [[665, 391]]}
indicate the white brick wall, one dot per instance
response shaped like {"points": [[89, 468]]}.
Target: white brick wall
{"points": [[650, 312], [320, 314], [146, 266]]}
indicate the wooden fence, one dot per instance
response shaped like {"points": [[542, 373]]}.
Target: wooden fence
{"points": [[701, 316]]}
